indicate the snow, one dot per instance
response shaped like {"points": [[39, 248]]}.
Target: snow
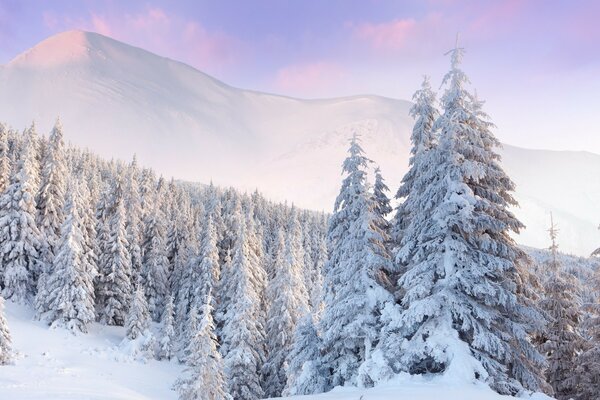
{"points": [[417, 388], [55, 364], [117, 99]]}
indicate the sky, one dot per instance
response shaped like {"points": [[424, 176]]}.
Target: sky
{"points": [[535, 62]]}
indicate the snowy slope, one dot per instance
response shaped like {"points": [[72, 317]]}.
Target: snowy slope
{"points": [[117, 99], [54, 364]]}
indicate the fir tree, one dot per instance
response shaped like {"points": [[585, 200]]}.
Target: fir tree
{"points": [[285, 308], [460, 287], [563, 342], [113, 283], [4, 159], [138, 317], [51, 196], [167, 331], [71, 292], [242, 332], [204, 378], [305, 374], [155, 265], [353, 297], [19, 234]]}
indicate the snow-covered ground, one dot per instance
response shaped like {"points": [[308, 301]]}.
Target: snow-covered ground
{"points": [[417, 388], [117, 99], [54, 364]]}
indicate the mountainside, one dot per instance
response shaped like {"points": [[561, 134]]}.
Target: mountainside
{"points": [[117, 99]]}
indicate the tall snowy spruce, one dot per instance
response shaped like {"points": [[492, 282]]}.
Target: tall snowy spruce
{"points": [[6, 352], [588, 361], [305, 372], [353, 298], [20, 237], [423, 139], [71, 292], [137, 322], [203, 378], [167, 333], [286, 305], [242, 331], [562, 340], [462, 315], [113, 286], [4, 159]]}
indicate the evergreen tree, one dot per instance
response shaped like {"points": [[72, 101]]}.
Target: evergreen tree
{"points": [[462, 314], [562, 340], [423, 139], [204, 378], [114, 279], [305, 373], [242, 333], [138, 317], [6, 353], [168, 331], [71, 292], [285, 308], [4, 159], [19, 234], [155, 265], [134, 214], [353, 297], [51, 196]]}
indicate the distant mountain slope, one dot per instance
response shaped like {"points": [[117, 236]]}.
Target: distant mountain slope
{"points": [[118, 99]]}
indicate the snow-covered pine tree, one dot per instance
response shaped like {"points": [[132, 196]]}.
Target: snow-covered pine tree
{"points": [[562, 340], [51, 195], [596, 253], [154, 278], [285, 306], [423, 139], [353, 298], [113, 286], [167, 337], [138, 316], [305, 374], [462, 314], [70, 285], [6, 352], [133, 202], [19, 234], [242, 332], [4, 159], [204, 378]]}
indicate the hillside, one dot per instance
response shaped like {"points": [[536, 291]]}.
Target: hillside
{"points": [[114, 98]]}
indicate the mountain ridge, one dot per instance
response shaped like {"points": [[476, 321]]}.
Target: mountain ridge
{"points": [[119, 99]]}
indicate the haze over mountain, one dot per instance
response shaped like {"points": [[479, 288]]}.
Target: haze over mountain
{"points": [[117, 99]]}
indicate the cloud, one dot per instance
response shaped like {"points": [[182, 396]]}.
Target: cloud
{"points": [[159, 31], [387, 35], [312, 77]]}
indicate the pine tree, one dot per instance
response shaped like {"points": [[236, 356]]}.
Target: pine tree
{"points": [[242, 333], [138, 317], [4, 159], [460, 290], [6, 353], [305, 374], [168, 331], [51, 196], [204, 379], [423, 139], [114, 279], [562, 340], [19, 234], [71, 292], [134, 214], [154, 278], [353, 298], [285, 308]]}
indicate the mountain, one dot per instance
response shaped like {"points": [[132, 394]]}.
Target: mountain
{"points": [[117, 99]]}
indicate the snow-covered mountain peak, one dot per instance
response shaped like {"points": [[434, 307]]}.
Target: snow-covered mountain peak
{"points": [[118, 99]]}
